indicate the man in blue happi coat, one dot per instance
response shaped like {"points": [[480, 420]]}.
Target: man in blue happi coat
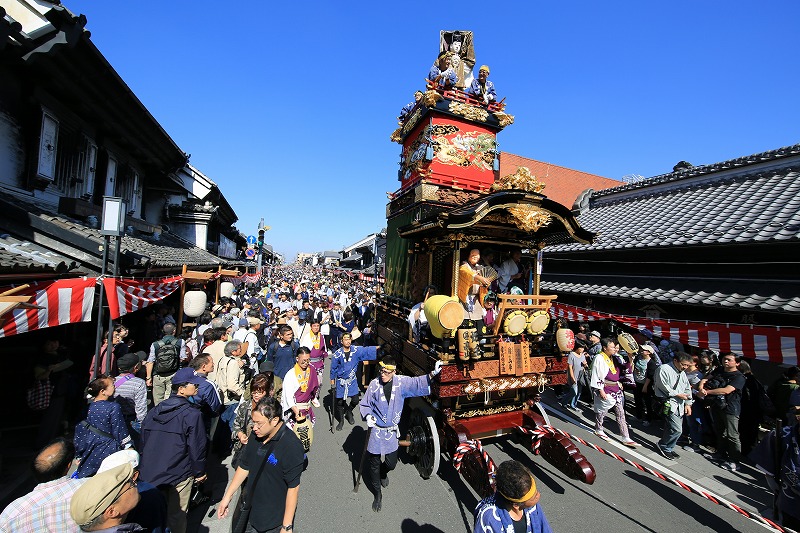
{"points": [[381, 407], [344, 364], [482, 89], [442, 74]]}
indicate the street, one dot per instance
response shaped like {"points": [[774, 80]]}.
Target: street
{"points": [[622, 499]]}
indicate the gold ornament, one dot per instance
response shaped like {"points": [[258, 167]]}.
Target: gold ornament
{"points": [[504, 118], [469, 112], [530, 218], [522, 179]]}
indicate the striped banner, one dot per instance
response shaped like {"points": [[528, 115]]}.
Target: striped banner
{"points": [[129, 295], [778, 344], [63, 301]]}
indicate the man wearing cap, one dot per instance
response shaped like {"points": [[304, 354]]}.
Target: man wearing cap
{"points": [[174, 447], [131, 393], [482, 89], [594, 345], [515, 503], [104, 501], [47, 507], [151, 511], [248, 336]]}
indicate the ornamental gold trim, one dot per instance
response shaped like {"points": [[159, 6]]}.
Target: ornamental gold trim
{"points": [[530, 218], [504, 118], [522, 179], [468, 111]]}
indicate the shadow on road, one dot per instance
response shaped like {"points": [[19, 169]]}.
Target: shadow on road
{"points": [[410, 526]]}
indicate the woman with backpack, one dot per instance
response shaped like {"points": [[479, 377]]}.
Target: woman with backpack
{"points": [[104, 430]]}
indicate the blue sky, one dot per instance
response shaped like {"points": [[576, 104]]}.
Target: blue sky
{"points": [[289, 106]]}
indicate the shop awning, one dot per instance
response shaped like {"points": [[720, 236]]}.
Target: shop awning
{"points": [[777, 344]]}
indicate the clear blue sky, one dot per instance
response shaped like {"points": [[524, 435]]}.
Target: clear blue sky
{"points": [[289, 106]]}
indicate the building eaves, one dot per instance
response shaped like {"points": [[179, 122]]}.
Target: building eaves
{"points": [[712, 295], [21, 257]]}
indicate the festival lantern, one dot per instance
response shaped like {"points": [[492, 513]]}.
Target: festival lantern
{"points": [[194, 302]]}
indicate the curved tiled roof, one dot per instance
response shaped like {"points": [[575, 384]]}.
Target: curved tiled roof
{"points": [[18, 256], [755, 207], [764, 302]]}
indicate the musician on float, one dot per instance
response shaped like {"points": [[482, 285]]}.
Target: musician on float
{"points": [[482, 89], [408, 107], [442, 76], [472, 288]]}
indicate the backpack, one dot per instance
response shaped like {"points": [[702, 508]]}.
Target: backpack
{"points": [[167, 359]]}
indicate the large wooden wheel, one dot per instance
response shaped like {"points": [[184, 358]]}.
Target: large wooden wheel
{"points": [[423, 436]]}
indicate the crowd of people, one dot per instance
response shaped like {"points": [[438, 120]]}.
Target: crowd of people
{"points": [[246, 379], [707, 402]]}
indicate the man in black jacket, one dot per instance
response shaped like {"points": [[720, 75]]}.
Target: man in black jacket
{"points": [[174, 447]]}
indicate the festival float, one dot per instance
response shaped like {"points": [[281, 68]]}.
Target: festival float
{"points": [[451, 200]]}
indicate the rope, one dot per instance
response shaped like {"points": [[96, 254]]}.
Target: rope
{"points": [[469, 446], [538, 433]]}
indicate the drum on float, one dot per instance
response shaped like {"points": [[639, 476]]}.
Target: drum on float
{"points": [[444, 313], [515, 323], [537, 322]]}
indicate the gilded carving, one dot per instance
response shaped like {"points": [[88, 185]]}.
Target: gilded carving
{"points": [[412, 121], [522, 179], [504, 118], [468, 111], [530, 218], [466, 149], [431, 97], [425, 191], [397, 136]]}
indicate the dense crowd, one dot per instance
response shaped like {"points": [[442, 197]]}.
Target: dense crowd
{"points": [[245, 381]]}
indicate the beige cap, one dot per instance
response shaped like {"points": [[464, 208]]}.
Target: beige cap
{"points": [[253, 321], [98, 493]]}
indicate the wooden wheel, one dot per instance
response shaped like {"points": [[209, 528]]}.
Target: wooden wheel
{"points": [[424, 439]]}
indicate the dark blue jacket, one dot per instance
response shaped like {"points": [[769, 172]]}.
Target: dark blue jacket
{"points": [[173, 442]]}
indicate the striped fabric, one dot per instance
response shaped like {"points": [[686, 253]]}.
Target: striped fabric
{"points": [[129, 295], [778, 344], [62, 301]]}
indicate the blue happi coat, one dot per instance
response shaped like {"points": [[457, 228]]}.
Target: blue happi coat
{"points": [[383, 438], [491, 518], [344, 366]]}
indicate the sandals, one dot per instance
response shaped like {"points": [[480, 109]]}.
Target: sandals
{"points": [[630, 443], [602, 435]]}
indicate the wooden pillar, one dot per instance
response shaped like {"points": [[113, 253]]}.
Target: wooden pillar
{"points": [[179, 328], [456, 252]]}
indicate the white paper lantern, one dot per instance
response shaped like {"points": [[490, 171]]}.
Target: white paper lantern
{"points": [[194, 303], [226, 289]]}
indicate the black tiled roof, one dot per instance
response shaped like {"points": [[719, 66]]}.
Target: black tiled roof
{"points": [[164, 250], [640, 291], [22, 257], [699, 206]]}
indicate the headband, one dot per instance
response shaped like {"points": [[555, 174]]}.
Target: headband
{"points": [[387, 367], [524, 498]]}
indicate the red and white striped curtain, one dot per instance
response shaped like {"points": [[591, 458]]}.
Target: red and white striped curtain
{"points": [[771, 343], [129, 295], [63, 301]]}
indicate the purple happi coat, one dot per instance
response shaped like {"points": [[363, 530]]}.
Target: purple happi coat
{"points": [[383, 438]]}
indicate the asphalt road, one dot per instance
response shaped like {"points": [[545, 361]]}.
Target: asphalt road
{"points": [[622, 499]]}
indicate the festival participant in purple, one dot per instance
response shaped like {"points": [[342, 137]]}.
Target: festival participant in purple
{"points": [[316, 342], [604, 382], [300, 386], [344, 365], [514, 507], [381, 407]]}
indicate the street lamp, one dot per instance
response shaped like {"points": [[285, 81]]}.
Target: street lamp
{"points": [[112, 225]]}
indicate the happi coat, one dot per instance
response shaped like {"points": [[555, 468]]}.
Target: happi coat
{"points": [[492, 518], [292, 395], [344, 366], [384, 436]]}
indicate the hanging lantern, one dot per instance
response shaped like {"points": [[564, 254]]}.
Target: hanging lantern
{"points": [[194, 303], [628, 343], [565, 338], [226, 289]]}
